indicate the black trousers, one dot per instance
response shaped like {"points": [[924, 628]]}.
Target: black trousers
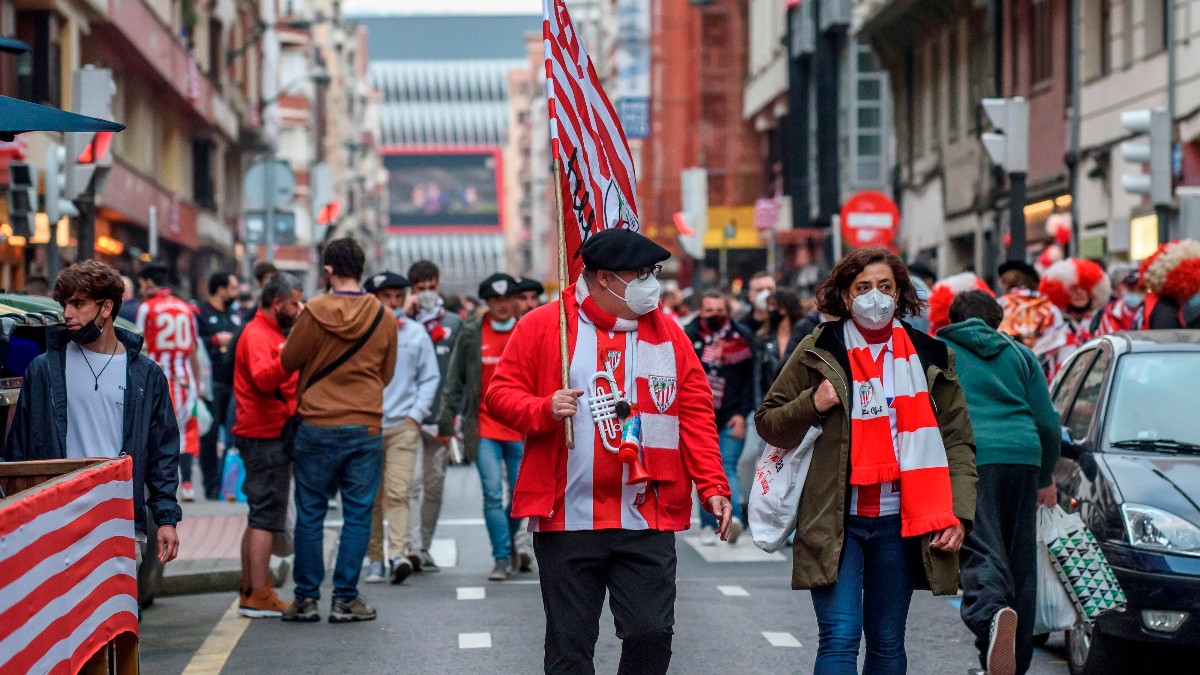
{"points": [[999, 558], [636, 568], [211, 465]]}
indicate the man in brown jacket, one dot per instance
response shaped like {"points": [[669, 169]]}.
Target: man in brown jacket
{"points": [[345, 350]]}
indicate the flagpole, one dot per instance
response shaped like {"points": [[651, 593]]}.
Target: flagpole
{"points": [[562, 303]]}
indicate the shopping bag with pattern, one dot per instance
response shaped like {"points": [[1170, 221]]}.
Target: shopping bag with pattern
{"points": [[1082, 566]]}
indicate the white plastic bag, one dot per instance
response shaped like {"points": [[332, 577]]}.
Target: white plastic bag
{"points": [[775, 494], [1055, 608], [204, 418]]}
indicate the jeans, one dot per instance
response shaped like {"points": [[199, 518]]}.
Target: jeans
{"points": [[495, 508], [731, 452], [326, 459], [872, 595]]}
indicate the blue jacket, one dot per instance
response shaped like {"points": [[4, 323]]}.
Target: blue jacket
{"points": [[151, 436], [415, 382]]}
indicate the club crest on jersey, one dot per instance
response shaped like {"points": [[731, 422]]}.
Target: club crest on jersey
{"points": [[662, 390], [612, 360], [864, 394]]}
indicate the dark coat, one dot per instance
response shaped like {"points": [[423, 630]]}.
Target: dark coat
{"points": [[151, 436], [788, 412], [462, 388], [741, 379]]}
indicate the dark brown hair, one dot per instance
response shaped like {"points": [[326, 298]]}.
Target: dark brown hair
{"points": [[829, 293], [976, 305], [89, 279]]}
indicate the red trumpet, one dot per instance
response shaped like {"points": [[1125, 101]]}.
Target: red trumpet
{"points": [[631, 447]]}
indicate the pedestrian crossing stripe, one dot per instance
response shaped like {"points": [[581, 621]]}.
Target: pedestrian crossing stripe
{"points": [[474, 640], [781, 639]]}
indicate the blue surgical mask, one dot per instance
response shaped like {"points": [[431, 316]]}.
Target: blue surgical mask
{"points": [[399, 312], [1134, 300], [504, 326]]}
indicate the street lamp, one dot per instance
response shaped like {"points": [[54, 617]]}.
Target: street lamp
{"points": [[320, 78]]}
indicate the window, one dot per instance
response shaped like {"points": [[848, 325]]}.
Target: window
{"points": [[865, 115], [917, 93], [953, 104], [1105, 37], [980, 60], [39, 71], [216, 55], [935, 91], [202, 173], [1087, 402], [1156, 25], [1041, 44], [1068, 382]]}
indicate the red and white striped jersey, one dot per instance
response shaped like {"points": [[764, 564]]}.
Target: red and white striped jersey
{"points": [[881, 499], [169, 329]]}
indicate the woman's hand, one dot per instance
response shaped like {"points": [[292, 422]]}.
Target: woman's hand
{"points": [[825, 398], [949, 539]]}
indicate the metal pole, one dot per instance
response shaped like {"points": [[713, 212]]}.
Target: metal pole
{"points": [[53, 259], [269, 210], [1169, 29], [1163, 211], [723, 260], [152, 231], [86, 234], [1016, 217], [1073, 158]]}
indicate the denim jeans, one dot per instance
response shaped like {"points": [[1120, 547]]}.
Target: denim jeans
{"points": [[500, 527], [731, 452], [872, 595], [327, 459]]}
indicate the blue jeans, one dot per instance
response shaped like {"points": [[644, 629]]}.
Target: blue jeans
{"points": [[872, 594], [492, 475], [731, 452], [327, 459]]}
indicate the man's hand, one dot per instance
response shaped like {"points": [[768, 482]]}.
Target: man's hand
{"points": [[410, 303], [168, 543], [723, 510], [565, 403], [949, 539], [738, 424], [1048, 496], [825, 398]]}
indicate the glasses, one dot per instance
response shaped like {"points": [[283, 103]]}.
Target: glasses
{"points": [[647, 272]]}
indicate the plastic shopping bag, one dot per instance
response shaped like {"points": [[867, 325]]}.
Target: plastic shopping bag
{"points": [[203, 416], [775, 495], [233, 477], [1081, 565], [1055, 608]]}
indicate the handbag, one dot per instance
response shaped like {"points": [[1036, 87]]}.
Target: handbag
{"points": [[775, 496], [1081, 565], [291, 425], [1055, 607]]}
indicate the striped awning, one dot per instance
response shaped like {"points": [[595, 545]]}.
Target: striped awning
{"points": [[464, 259]]}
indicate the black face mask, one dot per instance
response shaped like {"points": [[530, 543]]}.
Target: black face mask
{"points": [[88, 332], [775, 317], [714, 323]]}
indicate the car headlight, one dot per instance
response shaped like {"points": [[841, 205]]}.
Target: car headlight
{"points": [[1156, 529]]}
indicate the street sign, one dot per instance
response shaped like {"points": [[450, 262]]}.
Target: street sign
{"points": [[870, 218], [267, 178], [285, 228]]}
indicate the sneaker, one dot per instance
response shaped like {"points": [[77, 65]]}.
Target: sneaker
{"points": [[401, 568], [414, 559], [261, 603], [708, 536], [428, 564], [1002, 643], [524, 560], [345, 611], [303, 609], [502, 571], [375, 573], [187, 493], [735, 530]]}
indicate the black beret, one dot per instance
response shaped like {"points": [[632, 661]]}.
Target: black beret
{"points": [[1019, 266], [530, 284], [498, 285], [378, 282], [619, 249]]}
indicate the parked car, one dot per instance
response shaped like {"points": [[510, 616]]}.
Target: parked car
{"points": [[1131, 467], [23, 323]]}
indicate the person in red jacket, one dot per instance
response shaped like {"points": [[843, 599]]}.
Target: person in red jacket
{"points": [[592, 529], [265, 396]]}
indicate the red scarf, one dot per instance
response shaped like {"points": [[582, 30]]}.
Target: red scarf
{"points": [[926, 501]]}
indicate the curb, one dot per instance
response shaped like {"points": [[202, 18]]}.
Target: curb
{"points": [[215, 576]]}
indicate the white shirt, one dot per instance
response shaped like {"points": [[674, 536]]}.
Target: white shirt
{"points": [[95, 408]]}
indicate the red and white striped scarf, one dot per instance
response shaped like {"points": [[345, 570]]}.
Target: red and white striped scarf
{"points": [[926, 501]]}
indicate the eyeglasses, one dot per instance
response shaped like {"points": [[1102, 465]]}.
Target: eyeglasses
{"points": [[646, 272]]}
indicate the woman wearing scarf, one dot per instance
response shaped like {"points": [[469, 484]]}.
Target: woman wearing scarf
{"points": [[891, 489]]}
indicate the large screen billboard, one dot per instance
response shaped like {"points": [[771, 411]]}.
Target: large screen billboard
{"points": [[449, 188]]}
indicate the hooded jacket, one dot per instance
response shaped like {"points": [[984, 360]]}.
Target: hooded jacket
{"points": [[327, 328], [150, 436], [1007, 397]]}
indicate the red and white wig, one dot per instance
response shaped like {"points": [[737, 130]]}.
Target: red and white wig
{"points": [[944, 292], [1069, 282], [1173, 270]]}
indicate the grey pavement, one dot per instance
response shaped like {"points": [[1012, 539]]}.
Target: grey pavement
{"points": [[723, 612]]}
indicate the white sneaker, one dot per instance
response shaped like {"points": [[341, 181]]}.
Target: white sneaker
{"points": [[708, 536], [186, 493], [375, 573], [735, 530]]}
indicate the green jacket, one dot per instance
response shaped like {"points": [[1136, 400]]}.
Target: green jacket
{"points": [[786, 415], [1007, 397], [462, 388]]}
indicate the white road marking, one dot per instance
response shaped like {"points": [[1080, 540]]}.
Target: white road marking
{"points": [[471, 593], [461, 521], [521, 582], [444, 552], [733, 591], [474, 640], [781, 639], [216, 648], [742, 552]]}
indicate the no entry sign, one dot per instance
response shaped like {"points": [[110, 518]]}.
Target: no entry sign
{"points": [[870, 218]]}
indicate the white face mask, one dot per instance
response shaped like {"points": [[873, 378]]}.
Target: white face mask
{"points": [[874, 309], [428, 299], [641, 295], [760, 300]]}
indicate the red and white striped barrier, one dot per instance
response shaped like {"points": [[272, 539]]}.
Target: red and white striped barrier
{"points": [[68, 578]]}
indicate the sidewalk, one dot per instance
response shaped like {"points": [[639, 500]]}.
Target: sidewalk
{"points": [[210, 542]]}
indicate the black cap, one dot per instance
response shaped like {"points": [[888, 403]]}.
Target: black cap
{"points": [[378, 282], [619, 249], [1019, 266], [530, 284], [499, 285]]}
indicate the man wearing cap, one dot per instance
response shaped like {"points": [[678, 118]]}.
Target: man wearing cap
{"points": [[593, 531], [407, 400], [529, 295], [496, 448]]}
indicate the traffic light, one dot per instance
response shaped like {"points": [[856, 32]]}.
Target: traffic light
{"points": [[1008, 145], [53, 203], [22, 198], [88, 159], [1157, 154]]}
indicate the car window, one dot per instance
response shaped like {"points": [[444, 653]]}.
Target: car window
{"points": [[1151, 399], [1088, 399], [1068, 383]]}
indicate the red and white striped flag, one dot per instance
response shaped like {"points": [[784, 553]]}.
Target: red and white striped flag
{"points": [[68, 581], [586, 136]]}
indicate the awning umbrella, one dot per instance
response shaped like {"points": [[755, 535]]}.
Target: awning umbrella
{"points": [[12, 46], [17, 117]]}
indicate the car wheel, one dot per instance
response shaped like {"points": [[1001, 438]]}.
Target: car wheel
{"points": [[1092, 652]]}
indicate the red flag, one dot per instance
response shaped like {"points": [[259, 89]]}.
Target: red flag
{"points": [[586, 136]]}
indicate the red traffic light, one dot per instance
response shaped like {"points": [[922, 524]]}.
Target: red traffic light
{"points": [[97, 149]]}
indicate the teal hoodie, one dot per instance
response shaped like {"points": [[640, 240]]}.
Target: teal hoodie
{"points": [[1007, 398]]}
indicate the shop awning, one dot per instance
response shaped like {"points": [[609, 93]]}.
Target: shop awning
{"points": [[744, 234]]}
